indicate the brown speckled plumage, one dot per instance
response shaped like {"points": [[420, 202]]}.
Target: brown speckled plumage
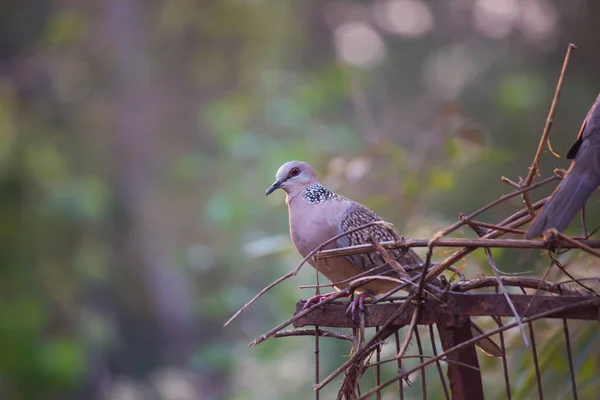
{"points": [[357, 215]]}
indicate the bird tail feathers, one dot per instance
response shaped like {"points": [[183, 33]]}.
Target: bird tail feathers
{"points": [[568, 198]]}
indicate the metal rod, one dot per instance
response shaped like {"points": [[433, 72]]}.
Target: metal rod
{"points": [[400, 384], [378, 366], [317, 350], [504, 362], [421, 359], [437, 363], [538, 376], [570, 357]]}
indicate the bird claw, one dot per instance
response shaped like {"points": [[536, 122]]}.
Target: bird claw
{"points": [[359, 302]]}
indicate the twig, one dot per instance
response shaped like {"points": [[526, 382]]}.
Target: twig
{"points": [[517, 219], [498, 227], [387, 360], [510, 183], [355, 283], [494, 203], [492, 263], [510, 303], [592, 232], [564, 271], [301, 314], [359, 355], [574, 243], [417, 310], [386, 257], [489, 242], [370, 273], [531, 283], [411, 326], [312, 332], [594, 278], [399, 281], [544, 141], [295, 271]]}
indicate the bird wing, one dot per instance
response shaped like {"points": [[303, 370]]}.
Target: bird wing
{"points": [[357, 215], [571, 194], [582, 178], [588, 126]]}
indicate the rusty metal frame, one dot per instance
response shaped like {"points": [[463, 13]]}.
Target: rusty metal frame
{"points": [[452, 319]]}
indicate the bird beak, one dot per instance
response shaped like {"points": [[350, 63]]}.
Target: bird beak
{"points": [[274, 187]]}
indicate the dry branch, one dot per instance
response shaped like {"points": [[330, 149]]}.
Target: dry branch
{"points": [[459, 242], [531, 283], [544, 140]]}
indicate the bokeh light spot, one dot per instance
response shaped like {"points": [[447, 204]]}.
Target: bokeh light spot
{"points": [[495, 19], [359, 45], [411, 18]]}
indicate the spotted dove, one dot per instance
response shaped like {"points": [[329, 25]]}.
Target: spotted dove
{"points": [[317, 214]]}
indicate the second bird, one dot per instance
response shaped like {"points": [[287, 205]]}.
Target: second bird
{"points": [[582, 178]]}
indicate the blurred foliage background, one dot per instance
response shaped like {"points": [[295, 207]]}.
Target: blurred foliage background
{"points": [[137, 139]]}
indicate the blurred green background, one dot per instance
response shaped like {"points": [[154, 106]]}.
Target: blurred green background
{"points": [[137, 139]]}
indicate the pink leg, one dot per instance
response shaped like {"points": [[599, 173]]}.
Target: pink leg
{"points": [[359, 301], [319, 298]]}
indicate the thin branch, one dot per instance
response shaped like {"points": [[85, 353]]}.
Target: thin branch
{"points": [[360, 354], [311, 332], [510, 183], [296, 317], [295, 271], [461, 242], [411, 326], [563, 269], [498, 227], [544, 141], [576, 244], [531, 283], [387, 360], [417, 310], [494, 203], [490, 258], [517, 219], [388, 259]]}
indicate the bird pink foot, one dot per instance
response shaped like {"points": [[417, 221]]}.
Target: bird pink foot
{"points": [[319, 298], [359, 301]]}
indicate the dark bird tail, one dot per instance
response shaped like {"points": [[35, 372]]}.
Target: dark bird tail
{"points": [[567, 199]]}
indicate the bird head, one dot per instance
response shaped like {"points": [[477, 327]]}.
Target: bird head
{"points": [[292, 177]]}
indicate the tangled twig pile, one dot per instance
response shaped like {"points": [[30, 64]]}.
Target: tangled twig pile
{"points": [[448, 301]]}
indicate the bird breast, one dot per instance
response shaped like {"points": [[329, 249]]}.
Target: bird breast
{"points": [[310, 226]]}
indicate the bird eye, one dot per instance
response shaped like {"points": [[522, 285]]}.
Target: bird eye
{"points": [[295, 171]]}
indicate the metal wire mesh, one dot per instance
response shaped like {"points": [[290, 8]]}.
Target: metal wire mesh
{"points": [[450, 367]]}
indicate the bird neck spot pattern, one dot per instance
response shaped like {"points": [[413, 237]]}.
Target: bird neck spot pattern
{"points": [[316, 194]]}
